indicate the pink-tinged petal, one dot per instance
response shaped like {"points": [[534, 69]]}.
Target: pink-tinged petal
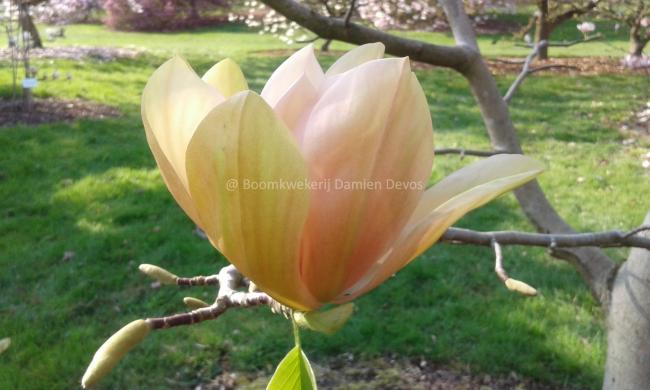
{"points": [[240, 144], [226, 77], [174, 101], [371, 126], [355, 57], [302, 64], [296, 103], [445, 203]]}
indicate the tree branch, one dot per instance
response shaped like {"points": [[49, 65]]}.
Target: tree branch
{"points": [[525, 71], [348, 15], [576, 11], [594, 266], [229, 280], [564, 43], [336, 28], [528, 27], [198, 281], [606, 239], [467, 152], [592, 263]]}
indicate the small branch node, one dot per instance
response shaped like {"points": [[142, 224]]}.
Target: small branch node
{"points": [[636, 231]]}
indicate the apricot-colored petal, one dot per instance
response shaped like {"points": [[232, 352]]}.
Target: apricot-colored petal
{"points": [[296, 103], [448, 201], [239, 145], [176, 187], [372, 127], [301, 63], [174, 101], [355, 57], [226, 77]]}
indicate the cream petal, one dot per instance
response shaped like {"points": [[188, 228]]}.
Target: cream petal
{"points": [[174, 101], [241, 143], [226, 77], [301, 63], [355, 57], [176, 187], [296, 103], [372, 126], [446, 202]]}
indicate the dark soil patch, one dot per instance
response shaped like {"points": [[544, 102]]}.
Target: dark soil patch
{"points": [[570, 65], [53, 110], [495, 26], [344, 372], [575, 66]]}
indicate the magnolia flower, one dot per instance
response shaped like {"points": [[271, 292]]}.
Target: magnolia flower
{"points": [[314, 189], [586, 27]]}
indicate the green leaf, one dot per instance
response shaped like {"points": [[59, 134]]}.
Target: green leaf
{"points": [[293, 373], [325, 321]]}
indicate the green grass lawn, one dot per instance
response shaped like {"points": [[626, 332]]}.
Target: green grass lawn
{"points": [[92, 187]]}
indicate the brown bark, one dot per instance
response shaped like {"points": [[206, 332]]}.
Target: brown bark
{"points": [[542, 28], [337, 29], [628, 337], [637, 41], [325, 47], [27, 24], [548, 19]]}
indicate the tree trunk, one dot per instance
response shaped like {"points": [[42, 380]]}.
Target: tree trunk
{"points": [[27, 24], [542, 28], [326, 46], [637, 43], [628, 339], [194, 10]]}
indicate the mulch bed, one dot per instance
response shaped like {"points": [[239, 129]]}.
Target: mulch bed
{"points": [[78, 53], [344, 372], [53, 110], [574, 66], [570, 65]]}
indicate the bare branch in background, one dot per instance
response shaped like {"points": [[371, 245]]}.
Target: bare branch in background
{"points": [[563, 43], [607, 239], [348, 15], [468, 152], [525, 71]]}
